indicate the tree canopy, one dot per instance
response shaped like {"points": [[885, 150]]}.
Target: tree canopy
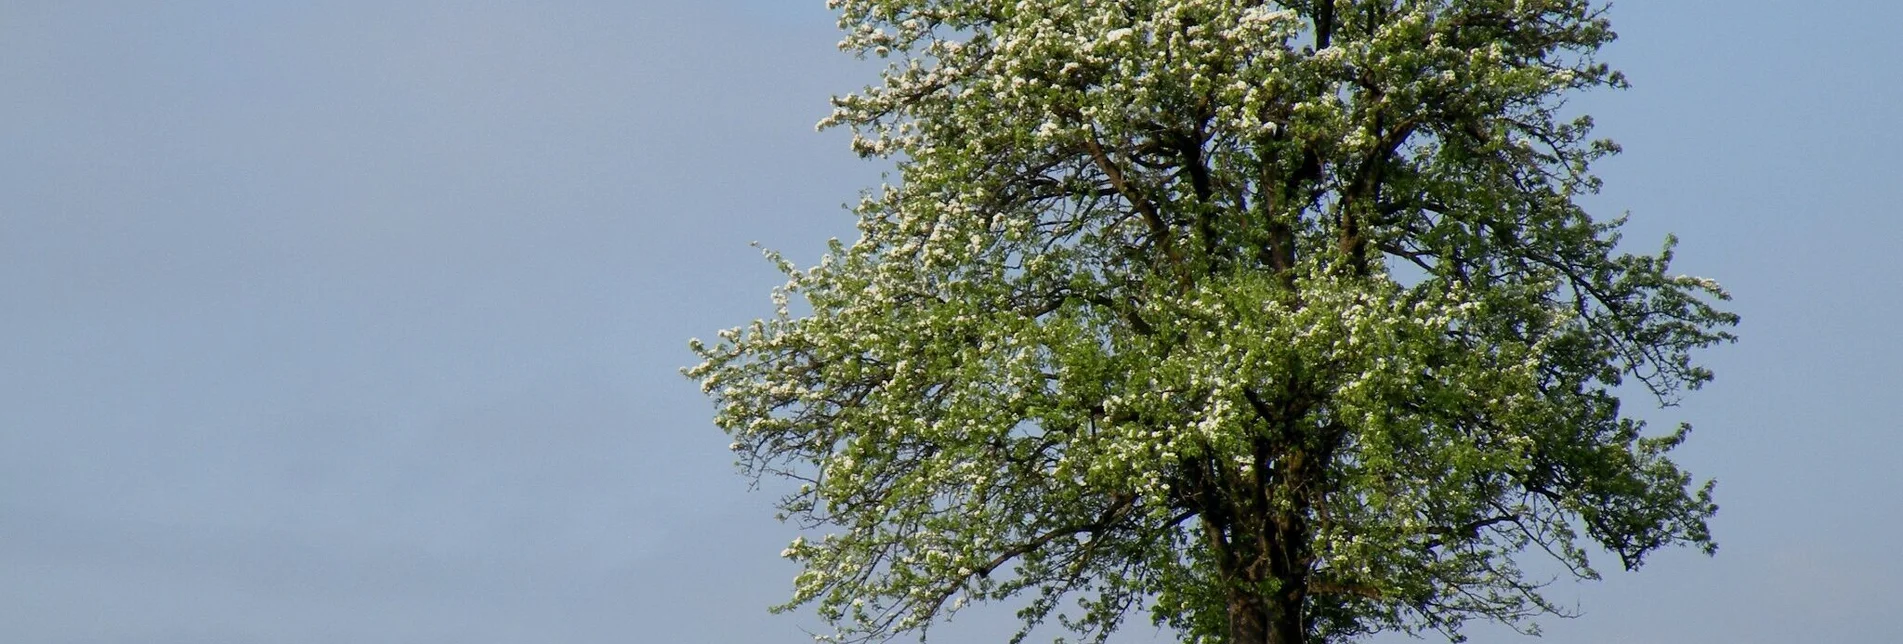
{"points": [[1276, 321]]}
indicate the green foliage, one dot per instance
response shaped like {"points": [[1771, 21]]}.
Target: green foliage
{"points": [[1277, 320]]}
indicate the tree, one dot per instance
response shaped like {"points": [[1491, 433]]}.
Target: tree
{"points": [[1278, 320]]}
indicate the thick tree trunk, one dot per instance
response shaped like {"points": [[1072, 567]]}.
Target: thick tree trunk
{"points": [[1256, 619], [1288, 564], [1267, 585], [1248, 619], [1288, 624], [1260, 528]]}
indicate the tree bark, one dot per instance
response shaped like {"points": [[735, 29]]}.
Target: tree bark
{"points": [[1275, 618], [1248, 621]]}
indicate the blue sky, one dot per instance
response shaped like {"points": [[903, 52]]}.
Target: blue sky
{"points": [[357, 321]]}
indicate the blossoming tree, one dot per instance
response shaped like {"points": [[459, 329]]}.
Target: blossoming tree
{"points": [[1276, 321]]}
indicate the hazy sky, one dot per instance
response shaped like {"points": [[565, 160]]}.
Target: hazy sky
{"points": [[359, 321]]}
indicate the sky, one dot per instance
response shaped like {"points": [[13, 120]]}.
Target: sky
{"points": [[362, 321]]}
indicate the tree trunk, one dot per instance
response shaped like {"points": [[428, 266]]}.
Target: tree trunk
{"points": [[1275, 558], [1260, 530], [1256, 619], [1248, 619], [1288, 624]]}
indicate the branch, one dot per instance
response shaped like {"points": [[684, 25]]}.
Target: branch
{"points": [[1109, 517], [1469, 530], [1317, 587], [1151, 216]]}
